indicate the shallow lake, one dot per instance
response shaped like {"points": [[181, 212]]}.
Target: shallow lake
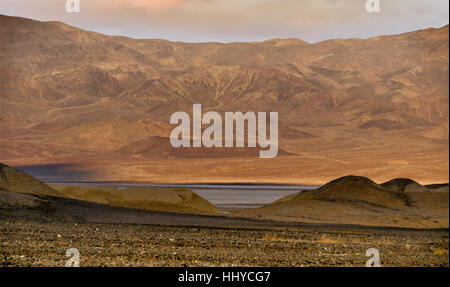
{"points": [[227, 197]]}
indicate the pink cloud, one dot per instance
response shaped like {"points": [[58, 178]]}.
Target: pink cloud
{"points": [[141, 4], [154, 3]]}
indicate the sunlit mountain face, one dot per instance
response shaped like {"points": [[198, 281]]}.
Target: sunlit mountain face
{"points": [[103, 103]]}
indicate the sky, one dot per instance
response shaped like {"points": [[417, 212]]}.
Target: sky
{"points": [[237, 20]]}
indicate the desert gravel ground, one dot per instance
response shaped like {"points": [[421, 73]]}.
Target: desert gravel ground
{"points": [[34, 243]]}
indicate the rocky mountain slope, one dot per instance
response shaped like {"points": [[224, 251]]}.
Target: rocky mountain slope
{"points": [[144, 198], [359, 200], [69, 95], [17, 181]]}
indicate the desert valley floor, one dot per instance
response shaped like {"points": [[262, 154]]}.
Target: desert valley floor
{"points": [[407, 222], [34, 243]]}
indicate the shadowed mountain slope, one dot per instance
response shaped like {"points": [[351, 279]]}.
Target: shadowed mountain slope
{"points": [[14, 180], [409, 185]]}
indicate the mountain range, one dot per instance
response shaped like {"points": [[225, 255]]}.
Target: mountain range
{"points": [[378, 107]]}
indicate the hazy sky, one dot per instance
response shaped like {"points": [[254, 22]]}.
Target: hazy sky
{"points": [[238, 20]]}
